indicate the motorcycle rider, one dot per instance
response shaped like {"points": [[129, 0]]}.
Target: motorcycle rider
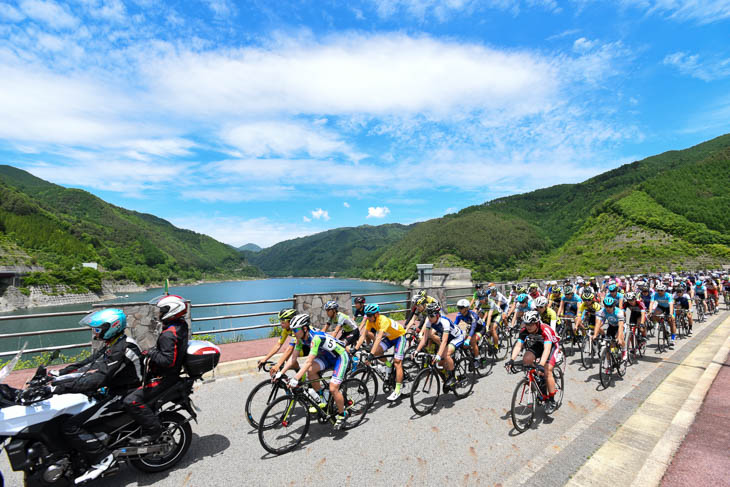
{"points": [[165, 361], [117, 365]]}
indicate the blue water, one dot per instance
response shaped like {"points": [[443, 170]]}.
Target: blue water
{"points": [[199, 294]]}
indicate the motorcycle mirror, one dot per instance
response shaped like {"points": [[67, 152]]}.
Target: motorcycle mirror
{"points": [[11, 365]]}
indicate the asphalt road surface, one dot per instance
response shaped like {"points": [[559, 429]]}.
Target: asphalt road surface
{"points": [[464, 442]]}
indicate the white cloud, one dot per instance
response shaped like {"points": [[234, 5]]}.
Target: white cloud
{"points": [[106, 9], [238, 231], [319, 213], [237, 194], [8, 12], [691, 65], [443, 9], [306, 219], [50, 13], [281, 138], [582, 45], [346, 204], [221, 8], [377, 212], [699, 11]]}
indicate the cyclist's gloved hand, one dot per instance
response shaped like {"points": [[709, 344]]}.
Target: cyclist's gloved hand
{"points": [[278, 376], [293, 383], [467, 342], [437, 358]]}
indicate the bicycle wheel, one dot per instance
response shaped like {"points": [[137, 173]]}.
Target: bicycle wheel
{"points": [[425, 391], [621, 365], [586, 352], [606, 367], [504, 344], [632, 348], [410, 370], [560, 385], [660, 337], [370, 380], [261, 396], [357, 401], [524, 401], [464, 378], [486, 359], [283, 425]]}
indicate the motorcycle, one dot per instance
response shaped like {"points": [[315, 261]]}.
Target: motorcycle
{"points": [[30, 423]]}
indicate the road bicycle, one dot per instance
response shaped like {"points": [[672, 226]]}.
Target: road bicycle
{"points": [[285, 422], [263, 394], [531, 392], [701, 309], [635, 344], [726, 299], [683, 328], [372, 371], [568, 337], [663, 333], [426, 388], [611, 359]]}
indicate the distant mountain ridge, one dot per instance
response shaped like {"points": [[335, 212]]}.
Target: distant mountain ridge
{"points": [[61, 227], [251, 247], [539, 233]]}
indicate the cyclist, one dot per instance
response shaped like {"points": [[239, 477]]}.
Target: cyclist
{"points": [[493, 313], [554, 297], [569, 302], [684, 302], [325, 352], [475, 297], [285, 316], [342, 323], [451, 337], [499, 298], [360, 309], [615, 292], [712, 291], [534, 290], [386, 333], [613, 318], [541, 341], [662, 303], [418, 310], [523, 303], [635, 312], [726, 288], [700, 293], [547, 314], [474, 324], [587, 310]]}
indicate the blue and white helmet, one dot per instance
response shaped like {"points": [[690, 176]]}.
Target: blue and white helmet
{"points": [[106, 324], [331, 305]]}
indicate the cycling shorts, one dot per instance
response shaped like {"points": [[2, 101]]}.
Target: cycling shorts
{"points": [[555, 354], [350, 338], [664, 310], [456, 343], [399, 344], [338, 363], [700, 295], [635, 317]]}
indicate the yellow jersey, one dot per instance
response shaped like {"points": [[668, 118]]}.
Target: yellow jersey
{"points": [[391, 329], [592, 308]]}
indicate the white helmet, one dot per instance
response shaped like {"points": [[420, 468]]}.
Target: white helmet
{"points": [[171, 307], [462, 303], [541, 302]]}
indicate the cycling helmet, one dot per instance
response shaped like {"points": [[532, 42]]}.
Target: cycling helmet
{"points": [[107, 324], [372, 308], [171, 307], [521, 289], [421, 293], [482, 294], [286, 314], [569, 289], [492, 286], [433, 309], [533, 285], [661, 287], [420, 300], [331, 305], [587, 295], [612, 288], [557, 291], [541, 302], [522, 298], [299, 321], [360, 299], [609, 301], [462, 303], [531, 317], [698, 284], [630, 295]]}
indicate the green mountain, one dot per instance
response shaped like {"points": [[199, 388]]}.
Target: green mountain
{"points": [[667, 211], [59, 228], [252, 247], [346, 251]]}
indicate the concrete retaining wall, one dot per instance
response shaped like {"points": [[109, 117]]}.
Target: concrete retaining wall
{"points": [[313, 303]]}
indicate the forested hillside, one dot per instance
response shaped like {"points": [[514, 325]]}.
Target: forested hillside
{"points": [[58, 228], [666, 211]]}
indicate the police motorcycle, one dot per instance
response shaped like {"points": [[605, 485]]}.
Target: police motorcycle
{"points": [[30, 423]]}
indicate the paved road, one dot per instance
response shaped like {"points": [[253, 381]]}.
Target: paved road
{"points": [[466, 442]]}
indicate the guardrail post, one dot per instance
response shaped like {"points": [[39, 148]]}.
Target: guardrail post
{"points": [[313, 304]]}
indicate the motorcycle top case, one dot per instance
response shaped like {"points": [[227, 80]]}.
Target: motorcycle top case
{"points": [[201, 357]]}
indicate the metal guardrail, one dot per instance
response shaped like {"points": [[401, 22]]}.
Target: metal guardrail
{"points": [[196, 319]]}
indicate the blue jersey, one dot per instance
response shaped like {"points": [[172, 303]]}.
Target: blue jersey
{"points": [[646, 298], [472, 319], [682, 300], [700, 289], [663, 300], [611, 319], [527, 306], [445, 326], [570, 304]]}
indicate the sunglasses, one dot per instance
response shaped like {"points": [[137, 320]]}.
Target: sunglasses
{"points": [[369, 315]]}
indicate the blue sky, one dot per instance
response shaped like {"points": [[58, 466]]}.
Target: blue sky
{"points": [[262, 121]]}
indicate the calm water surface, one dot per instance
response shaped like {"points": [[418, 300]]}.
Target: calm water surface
{"points": [[198, 294]]}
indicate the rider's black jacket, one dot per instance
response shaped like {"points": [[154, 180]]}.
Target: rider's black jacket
{"points": [[167, 357], [116, 365]]}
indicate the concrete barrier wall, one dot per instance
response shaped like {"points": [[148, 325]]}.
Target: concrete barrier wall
{"points": [[313, 304]]}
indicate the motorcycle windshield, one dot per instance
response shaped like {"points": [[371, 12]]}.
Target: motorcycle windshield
{"points": [[5, 371]]}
